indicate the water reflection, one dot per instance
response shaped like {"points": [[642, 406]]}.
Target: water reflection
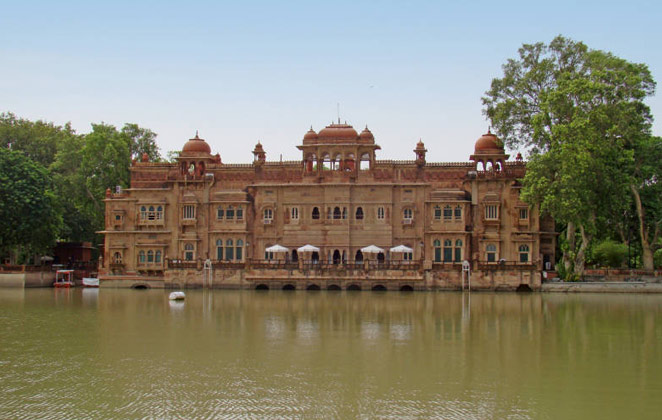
{"points": [[135, 354]]}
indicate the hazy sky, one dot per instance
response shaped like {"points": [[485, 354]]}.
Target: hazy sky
{"points": [[247, 71]]}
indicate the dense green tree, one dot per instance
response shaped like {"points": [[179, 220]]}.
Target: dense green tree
{"points": [[141, 140], [105, 160], [580, 113], [29, 217]]}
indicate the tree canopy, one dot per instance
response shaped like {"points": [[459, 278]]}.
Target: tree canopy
{"points": [[72, 171], [580, 113]]}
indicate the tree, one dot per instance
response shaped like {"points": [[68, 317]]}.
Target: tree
{"points": [[29, 217], [141, 140], [646, 188], [579, 112], [104, 163]]}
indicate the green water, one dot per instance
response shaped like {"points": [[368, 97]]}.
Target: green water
{"points": [[128, 354]]}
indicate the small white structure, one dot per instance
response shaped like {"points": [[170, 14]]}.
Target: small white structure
{"points": [[372, 249], [308, 248], [276, 248], [401, 249], [177, 296], [466, 272]]}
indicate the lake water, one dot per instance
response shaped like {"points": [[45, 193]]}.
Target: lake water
{"points": [[129, 354]]}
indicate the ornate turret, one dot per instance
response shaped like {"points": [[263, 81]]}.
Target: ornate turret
{"points": [[259, 155], [194, 157], [420, 151]]}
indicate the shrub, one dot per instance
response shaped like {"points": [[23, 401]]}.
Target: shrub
{"points": [[610, 253]]}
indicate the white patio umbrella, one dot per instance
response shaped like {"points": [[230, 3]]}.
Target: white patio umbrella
{"points": [[308, 248], [276, 248], [371, 249], [401, 248]]}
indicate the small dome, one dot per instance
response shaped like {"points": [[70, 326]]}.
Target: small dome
{"points": [[488, 143], [420, 145], [311, 135], [196, 145], [338, 132], [367, 134]]}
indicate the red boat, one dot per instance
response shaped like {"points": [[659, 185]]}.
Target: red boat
{"points": [[64, 278]]}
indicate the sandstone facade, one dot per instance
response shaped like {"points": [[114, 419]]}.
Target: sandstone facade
{"points": [[204, 223]]}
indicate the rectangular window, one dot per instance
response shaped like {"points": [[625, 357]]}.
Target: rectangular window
{"points": [[437, 255], [437, 213], [240, 213], [448, 213], [380, 213], [458, 254], [220, 213], [189, 212], [229, 253], [491, 212], [524, 214], [295, 213], [448, 254], [458, 213]]}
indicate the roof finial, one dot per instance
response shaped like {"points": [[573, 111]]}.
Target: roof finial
{"points": [[338, 106], [489, 129], [196, 134]]}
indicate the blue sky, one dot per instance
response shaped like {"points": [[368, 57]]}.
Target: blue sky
{"points": [[248, 71]]}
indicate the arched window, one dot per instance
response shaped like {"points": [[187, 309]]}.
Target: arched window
{"points": [[188, 252], [458, 213], [490, 250], [326, 162], [458, 250], [316, 213], [336, 213], [448, 250], [229, 250], [295, 213], [239, 250], [229, 214], [364, 164], [437, 213], [219, 249], [523, 253], [407, 214], [380, 213], [151, 215], [359, 213], [337, 162], [143, 213], [157, 257], [448, 213], [240, 213], [220, 213], [141, 257], [117, 258], [150, 256], [437, 250], [268, 215]]}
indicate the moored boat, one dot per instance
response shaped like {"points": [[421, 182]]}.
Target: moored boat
{"points": [[90, 282], [177, 296], [64, 278]]}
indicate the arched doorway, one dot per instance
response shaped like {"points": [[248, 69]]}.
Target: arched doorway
{"points": [[289, 287], [336, 257], [354, 287], [380, 257], [140, 287], [378, 288], [359, 256], [333, 287], [295, 256], [313, 287], [406, 288], [315, 257], [261, 286]]}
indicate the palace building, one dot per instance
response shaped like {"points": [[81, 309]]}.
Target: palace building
{"points": [[369, 224]]}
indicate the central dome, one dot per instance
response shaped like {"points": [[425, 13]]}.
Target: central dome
{"points": [[338, 132], [196, 145]]}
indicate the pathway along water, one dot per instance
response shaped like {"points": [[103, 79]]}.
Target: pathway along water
{"points": [[86, 353]]}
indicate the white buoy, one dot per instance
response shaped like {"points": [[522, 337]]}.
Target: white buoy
{"points": [[177, 296]]}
